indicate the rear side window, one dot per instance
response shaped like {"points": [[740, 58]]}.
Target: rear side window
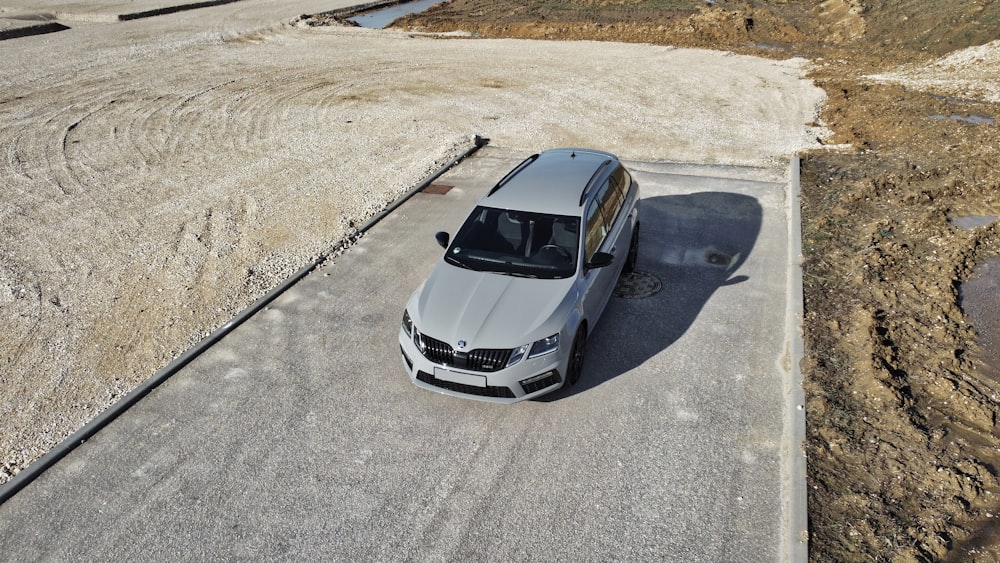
{"points": [[611, 200], [622, 179], [597, 229]]}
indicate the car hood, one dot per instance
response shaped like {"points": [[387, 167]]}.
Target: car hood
{"points": [[488, 310]]}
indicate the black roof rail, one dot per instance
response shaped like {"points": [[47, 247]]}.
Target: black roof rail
{"points": [[512, 173], [593, 179]]}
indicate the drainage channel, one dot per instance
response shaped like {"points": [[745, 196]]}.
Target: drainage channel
{"points": [[379, 19]]}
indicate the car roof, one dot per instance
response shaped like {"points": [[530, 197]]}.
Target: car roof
{"points": [[552, 181]]}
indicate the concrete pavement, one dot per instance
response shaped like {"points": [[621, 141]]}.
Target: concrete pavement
{"points": [[299, 436]]}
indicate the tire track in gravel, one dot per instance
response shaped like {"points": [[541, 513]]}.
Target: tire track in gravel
{"points": [[155, 143]]}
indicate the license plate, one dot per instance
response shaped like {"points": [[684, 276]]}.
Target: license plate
{"points": [[458, 377]]}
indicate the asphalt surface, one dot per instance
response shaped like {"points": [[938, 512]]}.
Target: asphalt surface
{"points": [[299, 436]]}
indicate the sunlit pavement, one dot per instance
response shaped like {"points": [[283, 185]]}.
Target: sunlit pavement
{"points": [[299, 435]]}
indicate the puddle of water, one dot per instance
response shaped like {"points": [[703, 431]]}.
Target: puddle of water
{"points": [[972, 221], [980, 299], [956, 100], [976, 119], [378, 19], [717, 258]]}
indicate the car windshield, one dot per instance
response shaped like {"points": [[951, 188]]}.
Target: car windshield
{"points": [[517, 243]]}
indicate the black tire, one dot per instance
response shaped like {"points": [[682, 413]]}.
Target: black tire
{"points": [[633, 252], [576, 356]]}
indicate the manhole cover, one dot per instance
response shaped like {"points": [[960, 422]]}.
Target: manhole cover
{"points": [[637, 285]]}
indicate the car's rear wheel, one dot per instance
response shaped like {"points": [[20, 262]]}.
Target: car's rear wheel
{"points": [[633, 252], [576, 356]]}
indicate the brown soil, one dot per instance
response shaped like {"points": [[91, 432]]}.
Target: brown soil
{"points": [[903, 459]]}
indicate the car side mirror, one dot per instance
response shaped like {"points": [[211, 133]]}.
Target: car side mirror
{"points": [[600, 260], [443, 239]]}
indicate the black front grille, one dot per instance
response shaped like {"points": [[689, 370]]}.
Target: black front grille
{"points": [[482, 359], [486, 359], [489, 391], [435, 350]]}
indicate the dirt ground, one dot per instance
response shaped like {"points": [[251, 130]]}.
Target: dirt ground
{"points": [[901, 413]]}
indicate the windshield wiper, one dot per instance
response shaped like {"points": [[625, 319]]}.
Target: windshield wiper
{"points": [[457, 262], [518, 274]]}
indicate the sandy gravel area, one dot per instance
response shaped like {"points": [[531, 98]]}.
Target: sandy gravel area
{"points": [[971, 73], [145, 200]]}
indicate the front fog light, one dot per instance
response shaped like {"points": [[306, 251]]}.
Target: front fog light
{"points": [[544, 346], [537, 378]]}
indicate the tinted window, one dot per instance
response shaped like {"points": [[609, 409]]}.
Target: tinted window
{"points": [[622, 179], [517, 243], [596, 229], [610, 200]]}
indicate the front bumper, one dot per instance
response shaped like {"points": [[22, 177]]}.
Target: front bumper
{"points": [[527, 379]]}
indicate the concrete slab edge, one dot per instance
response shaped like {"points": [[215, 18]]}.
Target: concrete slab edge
{"points": [[770, 174], [29, 30], [51, 27], [796, 528], [34, 470], [360, 8], [173, 9]]}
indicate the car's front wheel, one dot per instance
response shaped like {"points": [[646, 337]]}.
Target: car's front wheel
{"points": [[576, 356]]}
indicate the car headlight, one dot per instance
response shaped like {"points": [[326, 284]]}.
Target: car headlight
{"points": [[407, 323], [544, 346], [517, 355], [538, 348]]}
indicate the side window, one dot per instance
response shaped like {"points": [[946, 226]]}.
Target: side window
{"points": [[623, 180], [596, 230], [616, 185], [610, 200]]}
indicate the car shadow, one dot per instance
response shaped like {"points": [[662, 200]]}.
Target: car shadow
{"points": [[692, 244]]}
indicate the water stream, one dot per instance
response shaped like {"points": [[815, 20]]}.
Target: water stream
{"points": [[378, 19]]}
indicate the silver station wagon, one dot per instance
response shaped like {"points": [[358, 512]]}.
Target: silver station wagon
{"points": [[504, 315]]}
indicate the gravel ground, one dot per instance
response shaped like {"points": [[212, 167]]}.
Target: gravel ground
{"points": [[971, 73], [148, 197]]}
